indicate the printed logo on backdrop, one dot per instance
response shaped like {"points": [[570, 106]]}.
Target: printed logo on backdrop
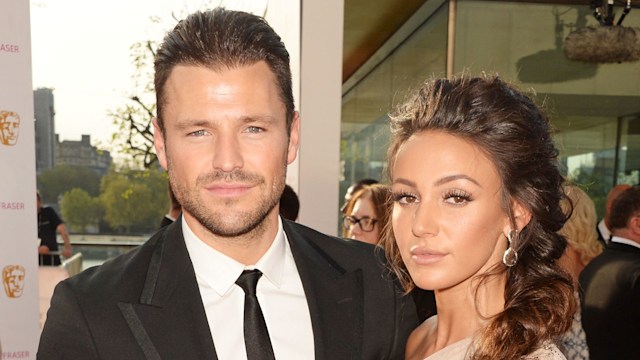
{"points": [[9, 48], [9, 127], [11, 205], [13, 280]]}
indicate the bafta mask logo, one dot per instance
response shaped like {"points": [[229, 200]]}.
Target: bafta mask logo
{"points": [[13, 280], [9, 127]]}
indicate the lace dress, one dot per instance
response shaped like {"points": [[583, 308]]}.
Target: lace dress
{"points": [[460, 351]]}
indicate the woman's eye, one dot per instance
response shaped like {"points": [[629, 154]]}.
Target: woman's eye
{"points": [[457, 199], [405, 199]]}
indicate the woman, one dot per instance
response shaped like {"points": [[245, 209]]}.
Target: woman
{"points": [[476, 192], [579, 231], [366, 212], [582, 246]]}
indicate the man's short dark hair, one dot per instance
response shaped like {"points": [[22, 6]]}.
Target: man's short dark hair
{"points": [[223, 39], [626, 205]]}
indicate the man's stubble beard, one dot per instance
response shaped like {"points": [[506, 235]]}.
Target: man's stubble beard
{"points": [[247, 224]]}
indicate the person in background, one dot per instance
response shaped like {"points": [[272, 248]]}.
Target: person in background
{"points": [[604, 234], [611, 285], [174, 209], [582, 246], [475, 218], [366, 213], [289, 204], [49, 225], [352, 190], [231, 279]]}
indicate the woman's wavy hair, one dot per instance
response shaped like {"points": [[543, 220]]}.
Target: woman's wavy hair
{"points": [[516, 135], [580, 229]]}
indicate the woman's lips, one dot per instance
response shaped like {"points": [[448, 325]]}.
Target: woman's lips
{"points": [[423, 256]]}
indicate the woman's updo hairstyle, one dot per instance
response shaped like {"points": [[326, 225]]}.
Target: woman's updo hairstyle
{"points": [[516, 136]]}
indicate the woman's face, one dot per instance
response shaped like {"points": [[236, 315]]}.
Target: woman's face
{"points": [[363, 208], [447, 217]]}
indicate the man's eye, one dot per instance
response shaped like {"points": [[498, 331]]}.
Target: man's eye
{"points": [[198, 133], [254, 129]]}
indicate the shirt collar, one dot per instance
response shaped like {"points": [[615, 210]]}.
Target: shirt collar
{"points": [[626, 241], [604, 230], [220, 272]]}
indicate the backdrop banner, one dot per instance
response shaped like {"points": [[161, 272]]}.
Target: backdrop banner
{"points": [[19, 311]]}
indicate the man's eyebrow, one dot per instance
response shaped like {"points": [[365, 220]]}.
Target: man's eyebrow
{"points": [[187, 123], [183, 124]]}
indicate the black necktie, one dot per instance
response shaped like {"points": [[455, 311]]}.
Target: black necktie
{"points": [[256, 335]]}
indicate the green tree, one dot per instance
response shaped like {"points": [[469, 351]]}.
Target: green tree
{"points": [[134, 136], [80, 210], [134, 200], [133, 119], [54, 182]]}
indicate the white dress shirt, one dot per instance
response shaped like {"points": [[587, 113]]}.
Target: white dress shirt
{"points": [[279, 291], [604, 231], [626, 241]]}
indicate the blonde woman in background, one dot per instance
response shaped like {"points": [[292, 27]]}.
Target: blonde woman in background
{"points": [[582, 246]]}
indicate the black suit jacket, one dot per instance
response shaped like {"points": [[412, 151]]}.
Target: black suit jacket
{"points": [[146, 303], [611, 303]]}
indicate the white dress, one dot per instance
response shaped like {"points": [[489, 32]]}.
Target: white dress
{"points": [[460, 351]]}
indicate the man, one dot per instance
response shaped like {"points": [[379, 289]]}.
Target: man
{"points": [[49, 225], [225, 132], [174, 209], [604, 234], [611, 285]]}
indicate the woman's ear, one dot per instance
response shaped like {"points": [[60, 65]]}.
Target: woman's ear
{"points": [[521, 216]]}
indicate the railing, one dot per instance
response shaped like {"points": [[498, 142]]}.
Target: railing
{"points": [[95, 249], [88, 251]]}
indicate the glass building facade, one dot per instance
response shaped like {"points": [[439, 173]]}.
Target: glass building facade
{"points": [[595, 108]]}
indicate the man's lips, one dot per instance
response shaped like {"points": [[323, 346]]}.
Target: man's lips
{"points": [[424, 256], [228, 189]]}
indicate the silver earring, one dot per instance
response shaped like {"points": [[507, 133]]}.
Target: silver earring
{"points": [[510, 256]]}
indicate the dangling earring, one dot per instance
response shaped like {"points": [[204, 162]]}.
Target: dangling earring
{"points": [[510, 256]]}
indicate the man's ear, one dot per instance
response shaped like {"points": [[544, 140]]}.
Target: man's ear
{"points": [[634, 225], [159, 143], [294, 138]]}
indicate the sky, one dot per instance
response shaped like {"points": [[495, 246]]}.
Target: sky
{"points": [[81, 49]]}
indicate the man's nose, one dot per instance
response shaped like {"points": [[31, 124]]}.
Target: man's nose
{"points": [[227, 153]]}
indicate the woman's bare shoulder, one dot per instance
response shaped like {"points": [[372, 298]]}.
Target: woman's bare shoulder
{"points": [[418, 341]]}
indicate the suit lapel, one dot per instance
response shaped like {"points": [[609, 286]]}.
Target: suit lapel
{"points": [[335, 297], [624, 248], [170, 318]]}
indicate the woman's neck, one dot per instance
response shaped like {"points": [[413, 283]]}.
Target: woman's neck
{"points": [[462, 312]]}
